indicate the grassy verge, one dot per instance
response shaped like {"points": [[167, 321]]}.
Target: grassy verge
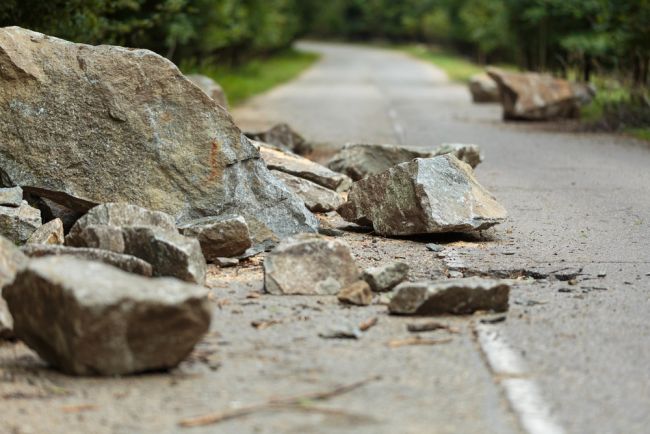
{"points": [[457, 68], [256, 76]]}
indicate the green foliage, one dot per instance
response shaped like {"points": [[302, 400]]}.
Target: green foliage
{"points": [[456, 67]]}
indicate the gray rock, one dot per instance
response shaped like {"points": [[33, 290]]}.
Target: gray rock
{"points": [[303, 168], [18, 224], [316, 198], [50, 233], [87, 318], [431, 195], [342, 330], [470, 154], [309, 264], [455, 296], [358, 293], [210, 87], [169, 253], [385, 277], [11, 261], [483, 89], [361, 160], [226, 262], [284, 137], [219, 237], [112, 124], [11, 196], [127, 263]]}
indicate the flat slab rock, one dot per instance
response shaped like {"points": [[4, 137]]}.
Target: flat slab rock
{"points": [[19, 223], [454, 296], [220, 237], [125, 125], [426, 195], [316, 198], [87, 318], [11, 261], [309, 264]]}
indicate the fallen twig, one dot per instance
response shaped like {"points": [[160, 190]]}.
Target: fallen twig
{"points": [[416, 340], [367, 324]]}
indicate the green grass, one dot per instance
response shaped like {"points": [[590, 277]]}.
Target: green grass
{"points": [[457, 68], [255, 76], [639, 133]]}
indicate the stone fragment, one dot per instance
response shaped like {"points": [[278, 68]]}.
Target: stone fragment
{"points": [[220, 237], [470, 154], [210, 87], [358, 293], [145, 136], [483, 88], [127, 263], [341, 330], [303, 168], [361, 160], [11, 261], [533, 96], [309, 264], [87, 318], [454, 296], [226, 262], [316, 198], [50, 233], [385, 277], [18, 224], [426, 195], [283, 137], [11, 196]]}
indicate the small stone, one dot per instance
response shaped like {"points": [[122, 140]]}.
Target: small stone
{"points": [[454, 296], [18, 224], [602, 274], [358, 293], [331, 232], [316, 198], [434, 247], [309, 264], [50, 233], [470, 154], [284, 137], [386, 277], [220, 237], [87, 318], [226, 262], [455, 274], [11, 196], [342, 330]]}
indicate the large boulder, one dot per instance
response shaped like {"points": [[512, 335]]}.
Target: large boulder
{"points": [[83, 125], [361, 160], [483, 88], [220, 237], [11, 261], [316, 197], [424, 196], [211, 88], [532, 96], [88, 318], [18, 224]]}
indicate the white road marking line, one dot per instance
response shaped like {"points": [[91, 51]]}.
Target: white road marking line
{"points": [[522, 393]]}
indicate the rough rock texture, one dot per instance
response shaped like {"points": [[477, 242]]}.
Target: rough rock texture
{"points": [[455, 296], [51, 210], [360, 160], [316, 198], [426, 195], [309, 264], [169, 253], [284, 137], [533, 96], [210, 87], [298, 166], [127, 263], [385, 277], [86, 125], [225, 236], [470, 154], [11, 261], [50, 233], [18, 224], [11, 196], [358, 293], [87, 318], [483, 88]]}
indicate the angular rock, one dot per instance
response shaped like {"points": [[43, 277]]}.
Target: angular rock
{"points": [[127, 263], [358, 293], [169, 253], [219, 237], [532, 96], [385, 277], [51, 210], [50, 233], [303, 168], [470, 154], [309, 264], [316, 198], [87, 318], [11, 196], [210, 87], [93, 124], [283, 137], [361, 160], [484, 89], [454, 296], [18, 224], [426, 195], [226, 262], [11, 261]]}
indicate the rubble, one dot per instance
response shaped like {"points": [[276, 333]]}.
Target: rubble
{"points": [[358, 293], [484, 89], [309, 264], [360, 160], [454, 296], [220, 237], [424, 196], [19, 223], [316, 198], [210, 87], [50, 233], [11, 196], [87, 318], [385, 277], [470, 154], [11, 261], [283, 137]]}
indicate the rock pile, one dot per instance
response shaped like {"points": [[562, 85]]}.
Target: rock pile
{"points": [[18, 220], [11, 261]]}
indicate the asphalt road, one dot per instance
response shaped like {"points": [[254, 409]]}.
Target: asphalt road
{"points": [[579, 204]]}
